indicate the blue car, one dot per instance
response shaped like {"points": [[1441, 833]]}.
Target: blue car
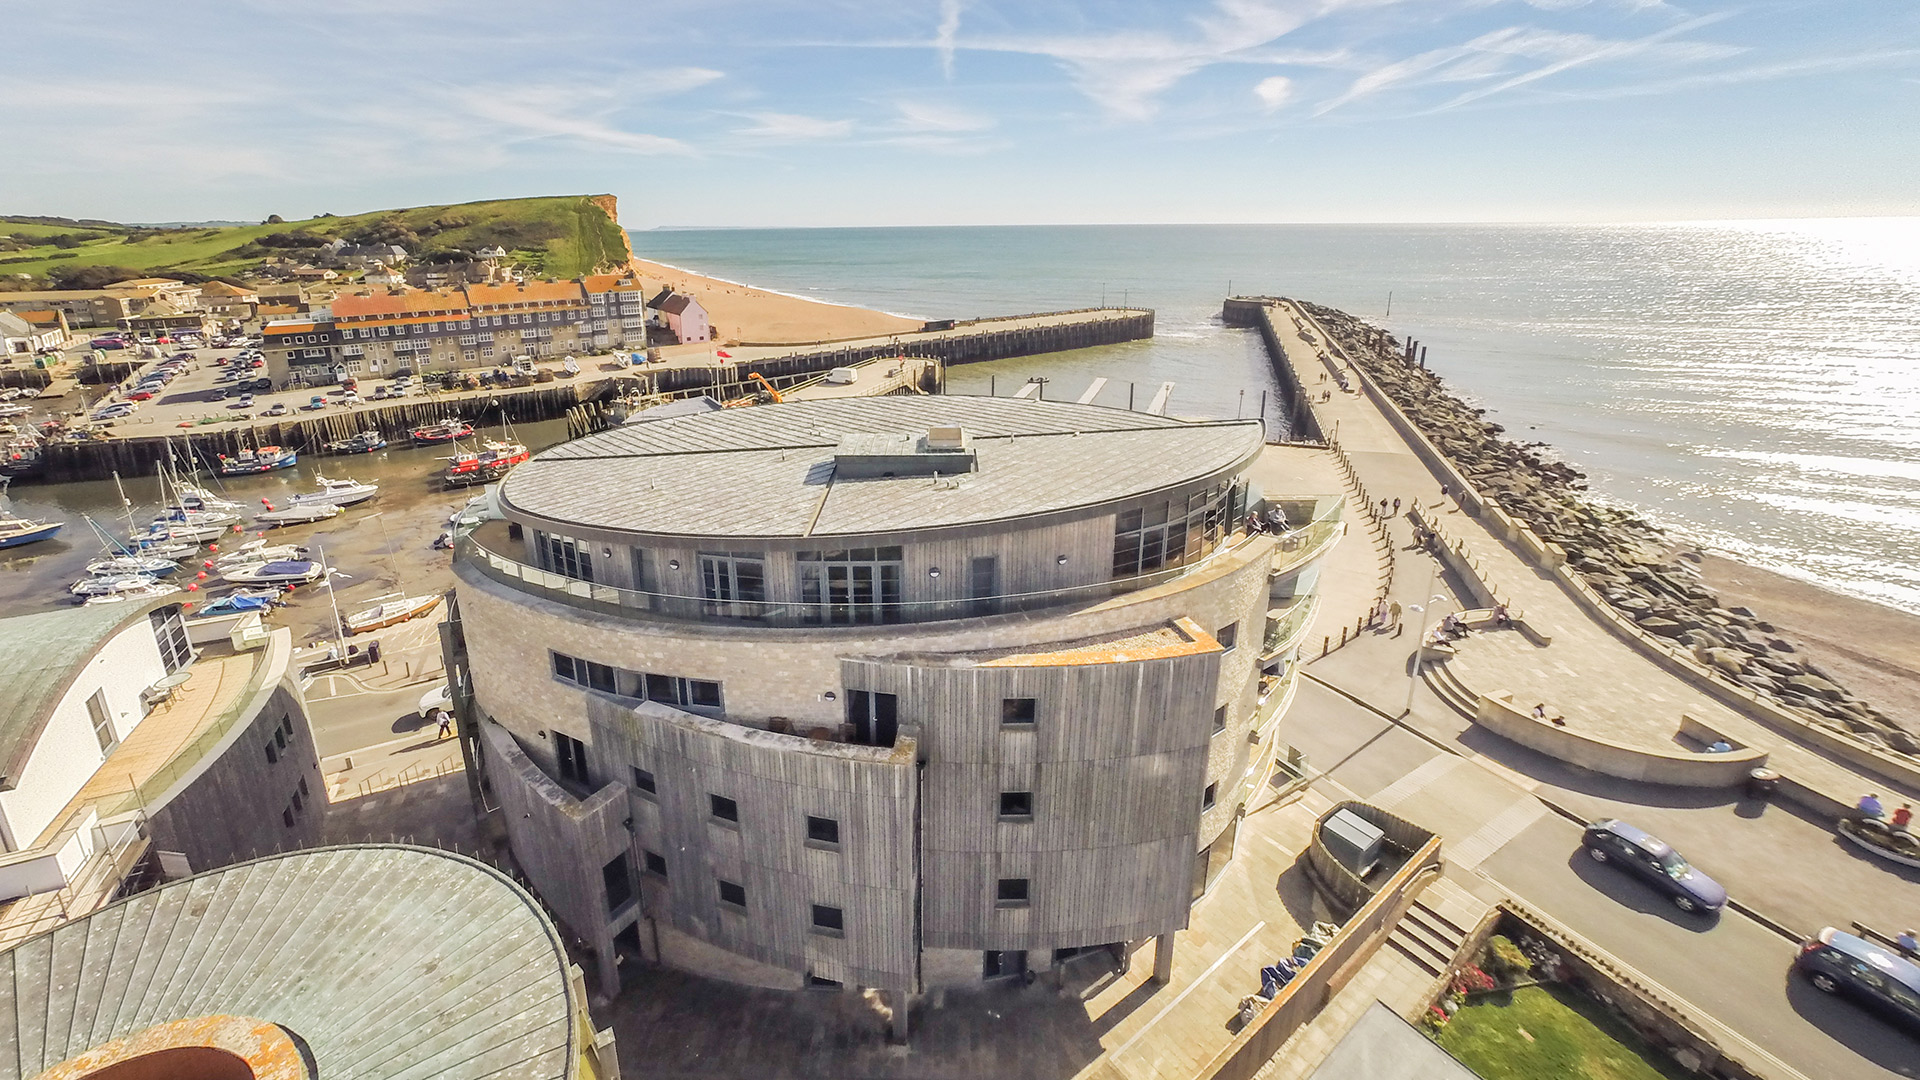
{"points": [[1877, 977], [1654, 861]]}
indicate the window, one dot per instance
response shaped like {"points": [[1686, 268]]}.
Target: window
{"points": [[102, 722], [701, 695], [724, 808], [273, 755], [1011, 892], [1017, 710], [643, 780], [730, 893], [618, 881], [1171, 533], [733, 586], [656, 863], [286, 817], [821, 830], [856, 585], [564, 555], [1016, 804], [829, 919], [1207, 796], [875, 717], [1219, 719], [584, 673], [170, 633], [1227, 635], [280, 738], [573, 757]]}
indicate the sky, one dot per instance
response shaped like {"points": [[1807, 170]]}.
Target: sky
{"points": [[936, 112]]}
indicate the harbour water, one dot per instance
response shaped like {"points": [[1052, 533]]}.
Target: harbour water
{"points": [[1753, 386]]}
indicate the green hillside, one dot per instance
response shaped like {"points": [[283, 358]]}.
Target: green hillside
{"points": [[558, 236]]}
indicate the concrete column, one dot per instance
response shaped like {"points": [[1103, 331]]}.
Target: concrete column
{"points": [[1163, 959], [898, 1000]]}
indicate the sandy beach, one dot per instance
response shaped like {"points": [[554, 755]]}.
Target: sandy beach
{"points": [[741, 314], [1871, 649]]}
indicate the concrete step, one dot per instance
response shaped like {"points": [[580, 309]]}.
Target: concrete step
{"points": [[1421, 937], [1448, 688], [1416, 956]]}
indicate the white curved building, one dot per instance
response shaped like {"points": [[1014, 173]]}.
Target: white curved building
{"points": [[887, 692]]}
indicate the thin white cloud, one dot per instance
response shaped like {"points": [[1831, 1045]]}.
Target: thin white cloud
{"points": [[1611, 50], [943, 37], [1273, 92], [793, 127], [921, 116]]}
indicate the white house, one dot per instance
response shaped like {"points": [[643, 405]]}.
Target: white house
{"points": [[18, 337]]}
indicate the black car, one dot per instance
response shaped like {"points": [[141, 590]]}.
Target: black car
{"points": [[1653, 860], [1877, 977]]}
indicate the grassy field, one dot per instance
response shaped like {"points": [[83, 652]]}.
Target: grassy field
{"points": [[1539, 1032], [562, 236]]}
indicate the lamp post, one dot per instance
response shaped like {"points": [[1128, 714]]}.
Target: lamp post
{"points": [[1420, 642]]}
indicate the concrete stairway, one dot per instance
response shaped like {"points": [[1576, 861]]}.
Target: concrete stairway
{"points": [[1432, 931], [1447, 687]]}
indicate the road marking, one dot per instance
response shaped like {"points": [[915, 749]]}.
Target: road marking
{"points": [[1495, 834], [1191, 987], [1428, 773]]}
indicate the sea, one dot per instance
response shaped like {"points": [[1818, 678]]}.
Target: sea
{"points": [[1752, 386]]}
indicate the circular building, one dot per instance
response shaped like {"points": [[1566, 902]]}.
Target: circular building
{"points": [[888, 692], [370, 961]]}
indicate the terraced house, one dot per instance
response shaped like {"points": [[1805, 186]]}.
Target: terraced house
{"points": [[484, 325], [893, 693]]}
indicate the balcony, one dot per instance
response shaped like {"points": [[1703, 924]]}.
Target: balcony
{"points": [[1298, 547], [489, 552], [1286, 626]]}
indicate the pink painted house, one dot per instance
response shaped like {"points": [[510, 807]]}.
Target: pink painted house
{"points": [[683, 315]]}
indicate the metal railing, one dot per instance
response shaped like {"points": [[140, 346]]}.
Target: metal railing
{"points": [[613, 599], [187, 758], [1299, 546], [1285, 630]]}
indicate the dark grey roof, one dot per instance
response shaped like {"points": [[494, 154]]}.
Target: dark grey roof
{"points": [[39, 656], [687, 406], [767, 471], [390, 961]]}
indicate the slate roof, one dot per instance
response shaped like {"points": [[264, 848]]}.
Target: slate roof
{"points": [[389, 961], [43, 652], [768, 471]]}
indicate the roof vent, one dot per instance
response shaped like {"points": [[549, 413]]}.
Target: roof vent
{"points": [[942, 450]]}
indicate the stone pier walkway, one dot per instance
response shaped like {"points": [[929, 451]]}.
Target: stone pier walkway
{"points": [[1603, 686]]}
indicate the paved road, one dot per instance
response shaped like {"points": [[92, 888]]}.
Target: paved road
{"points": [[1732, 968]]}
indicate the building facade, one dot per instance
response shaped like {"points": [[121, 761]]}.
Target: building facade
{"points": [[424, 330], [887, 692]]}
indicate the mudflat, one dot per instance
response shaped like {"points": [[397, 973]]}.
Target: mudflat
{"points": [[1871, 649]]}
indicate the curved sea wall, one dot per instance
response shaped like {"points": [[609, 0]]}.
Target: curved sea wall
{"points": [[1615, 564]]}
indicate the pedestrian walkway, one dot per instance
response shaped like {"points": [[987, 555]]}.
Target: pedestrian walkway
{"points": [[1602, 685]]}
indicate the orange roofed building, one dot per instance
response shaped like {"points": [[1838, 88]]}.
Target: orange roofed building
{"points": [[482, 325]]}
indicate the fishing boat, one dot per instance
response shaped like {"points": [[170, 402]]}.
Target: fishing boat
{"points": [[444, 431], [17, 531], [364, 443], [486, 465], [335, 493], [278, 572], [20, 453], [390, 613], [107, 585], [150, 565], [297, 515], [151, 591], [257, 460]]}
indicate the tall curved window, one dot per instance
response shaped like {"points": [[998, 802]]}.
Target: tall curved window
{"points": [[1174, 532]]}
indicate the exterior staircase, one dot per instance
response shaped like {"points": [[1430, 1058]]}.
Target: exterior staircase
{"points": [[1447, 687], [1435, 927]]}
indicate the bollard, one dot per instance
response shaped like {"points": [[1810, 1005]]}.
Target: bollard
{"points": [[1343, 635], [1324, 643]]}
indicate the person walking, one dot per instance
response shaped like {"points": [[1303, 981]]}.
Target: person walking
{"points": [[1396, 507], [1444, 489], [1393, 613], [446, 723]]}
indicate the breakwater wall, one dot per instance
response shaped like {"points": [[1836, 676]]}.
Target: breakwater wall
{"points": [[138, 454], [1255, 312]]}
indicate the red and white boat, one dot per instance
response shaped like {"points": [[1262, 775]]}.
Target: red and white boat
{"points": [[486, 465], [443, 432]]}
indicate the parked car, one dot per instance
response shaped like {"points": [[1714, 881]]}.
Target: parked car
{"points": [[115, 410], [245, 402], [1873, 975], [1654, 861], [278, 408], [141, 394], [261, 386], [318, 401], [349, 398]]}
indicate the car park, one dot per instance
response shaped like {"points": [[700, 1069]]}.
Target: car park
{"points": [[1654, 861], [1843, 964]]}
